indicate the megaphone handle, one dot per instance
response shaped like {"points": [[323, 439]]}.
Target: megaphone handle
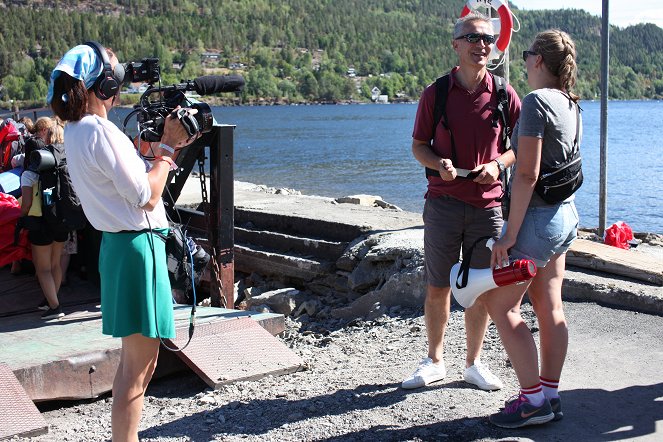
{"points": [[464, 271]]}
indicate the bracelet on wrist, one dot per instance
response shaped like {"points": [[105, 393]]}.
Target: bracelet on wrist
{"points": [[168, 160]]}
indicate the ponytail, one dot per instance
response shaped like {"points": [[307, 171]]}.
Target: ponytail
{"points": [[559, 55]]}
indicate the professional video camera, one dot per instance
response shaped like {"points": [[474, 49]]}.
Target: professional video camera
{"points": [[151, 113]]}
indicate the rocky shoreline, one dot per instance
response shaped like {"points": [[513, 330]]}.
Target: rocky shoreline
{"points": [[385, 269]]}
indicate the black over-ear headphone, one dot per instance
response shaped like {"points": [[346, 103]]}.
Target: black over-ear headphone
{"points": [[110, 80]]}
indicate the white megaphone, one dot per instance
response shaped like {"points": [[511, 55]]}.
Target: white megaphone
{"points": [[468, 284]]}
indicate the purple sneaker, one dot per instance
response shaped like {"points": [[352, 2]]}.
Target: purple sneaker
{"points": [[519, 412]]}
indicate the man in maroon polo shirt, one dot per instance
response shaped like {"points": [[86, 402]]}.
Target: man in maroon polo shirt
{"points": [[459, 210]]}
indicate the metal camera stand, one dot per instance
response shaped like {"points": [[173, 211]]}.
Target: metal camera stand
{"points": [[215, 216]]}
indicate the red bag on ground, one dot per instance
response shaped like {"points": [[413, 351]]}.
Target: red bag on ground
{"points": [[618, 235], [10, 212]]}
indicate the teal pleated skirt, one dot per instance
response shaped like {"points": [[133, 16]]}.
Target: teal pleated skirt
{"points": [[129, 302]]}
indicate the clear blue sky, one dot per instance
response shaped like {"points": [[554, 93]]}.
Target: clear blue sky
{"points": [[621, 12]]}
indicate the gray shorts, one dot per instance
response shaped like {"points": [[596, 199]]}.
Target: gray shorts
{"points": [[450, 223]]}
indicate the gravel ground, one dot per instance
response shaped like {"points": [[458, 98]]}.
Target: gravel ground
{"points": [[350, 389]]}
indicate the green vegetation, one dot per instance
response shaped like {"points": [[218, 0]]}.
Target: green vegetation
{"points": [[301, 50]]}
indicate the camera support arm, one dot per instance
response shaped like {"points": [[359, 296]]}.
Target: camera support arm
{"points": [[218, 217]]}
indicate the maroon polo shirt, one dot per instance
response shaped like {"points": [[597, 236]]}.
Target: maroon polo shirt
{"points": [[470, 117]]}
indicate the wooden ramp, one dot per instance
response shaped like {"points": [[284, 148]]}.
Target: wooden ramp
{"points": [[631, 263]]}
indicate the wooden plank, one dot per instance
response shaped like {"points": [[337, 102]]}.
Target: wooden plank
{"points": [[631, 263]]}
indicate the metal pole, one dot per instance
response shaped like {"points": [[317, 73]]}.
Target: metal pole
{"points": [[222, 212], [605, 61]]}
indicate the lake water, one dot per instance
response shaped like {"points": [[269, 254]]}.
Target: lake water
{"points": [[349, 149]]}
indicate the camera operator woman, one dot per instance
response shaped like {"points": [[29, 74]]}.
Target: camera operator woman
{"points": [[121, 196]]}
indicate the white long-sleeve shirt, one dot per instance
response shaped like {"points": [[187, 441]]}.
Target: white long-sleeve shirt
{"points": [[109, 176]]}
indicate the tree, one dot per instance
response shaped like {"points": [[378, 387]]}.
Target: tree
{"points": [[13, 87], [261, 83], [308, 84]]}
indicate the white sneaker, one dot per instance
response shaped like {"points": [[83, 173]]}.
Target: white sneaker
{"points": [[425, 373], [479, 375]]}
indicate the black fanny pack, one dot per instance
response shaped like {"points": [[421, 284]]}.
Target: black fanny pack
{"points": [[557, 184]]}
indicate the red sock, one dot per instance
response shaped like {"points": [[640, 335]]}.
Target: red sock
{"points": [[534, 394], [550, 387]]}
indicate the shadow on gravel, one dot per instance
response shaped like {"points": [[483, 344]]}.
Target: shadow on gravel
{"points": [[590, 415], [262, 415], [624, 414]]}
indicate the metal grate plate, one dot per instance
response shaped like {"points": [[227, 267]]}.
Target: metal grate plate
{"points": [[235, 350], [18, 414]]}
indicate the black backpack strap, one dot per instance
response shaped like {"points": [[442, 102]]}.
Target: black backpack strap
{"points": [[576, 145], [503, 110], [440, 115]]}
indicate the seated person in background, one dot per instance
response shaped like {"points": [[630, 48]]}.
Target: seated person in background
{"points": [[46, 244]]}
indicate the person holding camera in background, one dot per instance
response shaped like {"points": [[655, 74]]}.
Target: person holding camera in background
{"points": [[121, 196], [459, 210]]}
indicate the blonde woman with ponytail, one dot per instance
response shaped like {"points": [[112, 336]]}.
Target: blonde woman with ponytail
{"points": [[543, 137]]}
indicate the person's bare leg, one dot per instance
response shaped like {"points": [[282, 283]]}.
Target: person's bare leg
{"points": [[476, 323], [41, 257], [16, 267], [137, 363], [545, 293], [504, 308], [56, 269], [64, 265], [436, 316]]}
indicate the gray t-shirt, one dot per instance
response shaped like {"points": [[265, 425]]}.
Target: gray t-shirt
{"points": [[550, 115]]}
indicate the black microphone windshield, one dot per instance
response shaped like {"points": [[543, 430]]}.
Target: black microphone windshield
{"points": [[212, 84]]}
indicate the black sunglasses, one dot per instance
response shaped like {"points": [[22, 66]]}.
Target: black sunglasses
{"points": [[474, 38], [527, 54]]}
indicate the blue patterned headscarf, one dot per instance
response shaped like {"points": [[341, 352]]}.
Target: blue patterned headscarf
{"points": [[82, 63]]}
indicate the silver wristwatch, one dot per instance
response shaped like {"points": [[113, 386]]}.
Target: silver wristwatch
{"points": [[500, 166]]}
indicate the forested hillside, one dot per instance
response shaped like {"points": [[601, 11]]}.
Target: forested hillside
{"points": [[301, 50]]}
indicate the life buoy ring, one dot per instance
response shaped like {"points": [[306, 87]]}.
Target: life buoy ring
{"points": [[506, 21]]}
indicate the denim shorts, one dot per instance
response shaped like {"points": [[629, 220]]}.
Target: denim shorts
{"points": [[546, 231]]}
